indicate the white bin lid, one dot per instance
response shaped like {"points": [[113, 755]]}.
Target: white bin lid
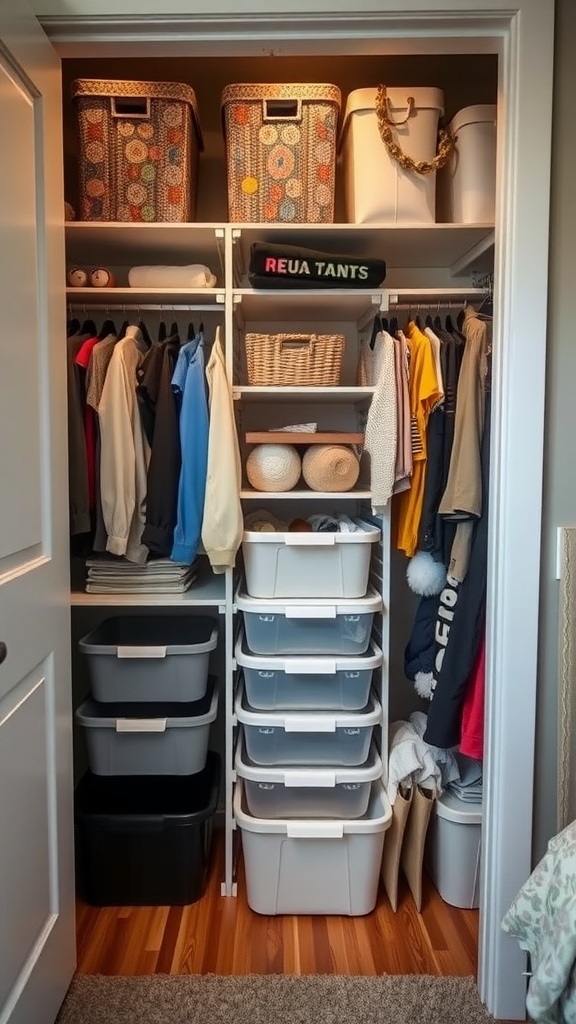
{"points": [[366, 534], [325, 608], [452, 808], [302, 664], [377, 819], [308, 721], [307, 778], [424, 99], [473, 115]]}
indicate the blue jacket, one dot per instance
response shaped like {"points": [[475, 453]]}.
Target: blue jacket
{"points": [[189, 385]]}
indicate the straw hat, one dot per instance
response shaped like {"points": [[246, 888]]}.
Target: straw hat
{"points": [[330, 467], [273, 467]]}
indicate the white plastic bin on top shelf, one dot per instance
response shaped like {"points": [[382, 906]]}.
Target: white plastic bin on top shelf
{"points": [[326, 792], [314, 564], [305, 866], [309, 626], [467, 184], [310, 738], [377, 188], [307, 683], [150, 657]]}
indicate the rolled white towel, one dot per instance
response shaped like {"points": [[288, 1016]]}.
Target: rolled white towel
{"points": [[194, 275]]}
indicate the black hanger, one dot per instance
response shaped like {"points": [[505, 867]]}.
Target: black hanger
{"points": [[73, 326], [394, 325], [460, 319], [429, 322], [377, 328], [145, 333], [437, 322], [108, 327], [124, 328], [449, 324], [191, 331], [89, 327], [161, 331]]}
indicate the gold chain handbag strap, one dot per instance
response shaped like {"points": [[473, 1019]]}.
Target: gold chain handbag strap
{"points": [[386, 126]]}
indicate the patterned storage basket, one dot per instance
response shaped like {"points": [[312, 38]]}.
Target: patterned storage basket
{"points": [[281, 152], [138, 150], [294, 359]]}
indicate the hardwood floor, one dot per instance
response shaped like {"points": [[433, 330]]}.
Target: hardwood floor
{"points": [[223, 936]]}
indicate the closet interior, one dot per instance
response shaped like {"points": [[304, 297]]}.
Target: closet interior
{"points": [[434, 273]]}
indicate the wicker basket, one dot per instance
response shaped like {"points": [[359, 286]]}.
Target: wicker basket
{"points": [[281, 152], [304, 360], [138, 147]]}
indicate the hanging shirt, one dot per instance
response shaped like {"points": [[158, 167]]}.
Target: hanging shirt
{"points": [[189, 386], [222, 525], [83, 357], [125, 451], [77, 468], [404, 463], [155, 391], [376, 369], [424, 395]]}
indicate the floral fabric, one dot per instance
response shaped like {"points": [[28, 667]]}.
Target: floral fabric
{"points": [[543, 919]]}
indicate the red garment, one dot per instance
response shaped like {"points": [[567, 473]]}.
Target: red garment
{"points": [[82, 359], [472, 729]]}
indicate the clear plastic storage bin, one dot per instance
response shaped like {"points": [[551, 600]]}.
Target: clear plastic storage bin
{"points": [[279, 792], [304, 866], [311, 738], [150, 657], [307, 683], [453, 850], [148, 739], [309, 626], [315, 564]]}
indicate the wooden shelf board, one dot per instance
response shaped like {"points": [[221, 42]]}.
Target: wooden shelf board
{"points": [[299, 494], [145, 296], [303, 437], [359, 396]]}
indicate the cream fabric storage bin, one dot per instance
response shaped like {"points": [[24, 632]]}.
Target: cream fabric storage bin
{"points": [[377, 189], [315, 564], [309, 866], [311, 625], [453, 850], [283, 792], [303, 683], [308, 738], [467, 184]]}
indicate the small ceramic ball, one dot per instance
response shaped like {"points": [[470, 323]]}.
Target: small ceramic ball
{"points": [[77, 278], [273, 467], [102, 278]]}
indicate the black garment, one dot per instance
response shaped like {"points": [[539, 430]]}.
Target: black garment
{"points": [[420, 649], [436, 535], [148, 376], [77, 463], [459, 625], [155, 388]]}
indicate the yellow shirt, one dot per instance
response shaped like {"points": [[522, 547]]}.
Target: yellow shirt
{"points": [[424, 394]]}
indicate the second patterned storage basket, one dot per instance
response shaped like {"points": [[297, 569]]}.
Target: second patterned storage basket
{"points": [[138, 147], [297, 360], [281, 151]]}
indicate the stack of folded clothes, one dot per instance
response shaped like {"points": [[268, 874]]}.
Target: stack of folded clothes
{"points": [[108, 575]]}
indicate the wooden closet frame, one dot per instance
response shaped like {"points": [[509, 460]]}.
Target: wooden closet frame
{"points": [[521, 32]]}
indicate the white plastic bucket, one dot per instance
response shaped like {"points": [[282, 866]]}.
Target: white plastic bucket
{"points": [[467, 184], [377, 189]]}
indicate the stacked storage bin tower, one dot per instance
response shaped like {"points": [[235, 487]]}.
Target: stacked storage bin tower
{"points": [[309, 800]]}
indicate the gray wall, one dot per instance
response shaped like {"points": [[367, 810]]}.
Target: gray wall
{"points": [[560, 457]]}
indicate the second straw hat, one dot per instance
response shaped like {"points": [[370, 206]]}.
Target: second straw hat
{"points": [[330, 467]]}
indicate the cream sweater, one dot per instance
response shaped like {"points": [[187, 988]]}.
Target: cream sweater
{"points": [[222, 525]]}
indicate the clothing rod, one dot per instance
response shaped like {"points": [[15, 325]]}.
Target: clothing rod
{"points": [[127, 307], [415, 307]]}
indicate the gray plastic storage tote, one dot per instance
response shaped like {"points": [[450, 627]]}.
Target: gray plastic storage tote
{"points": [[148, 739], [150, 657]]}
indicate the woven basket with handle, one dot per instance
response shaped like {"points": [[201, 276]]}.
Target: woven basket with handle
{"points": [[313, 360]]}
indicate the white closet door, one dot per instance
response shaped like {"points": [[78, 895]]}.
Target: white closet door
{"points": [[37, 946]]}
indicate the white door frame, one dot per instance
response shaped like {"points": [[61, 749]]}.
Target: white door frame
{"points": [[522, 33]]}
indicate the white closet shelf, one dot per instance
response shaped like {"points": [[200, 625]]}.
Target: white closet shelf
{"points": [[208, 591], [112, 242], [357, 396], [456, 246], [248, 493], [201, 298], [357, 306]]}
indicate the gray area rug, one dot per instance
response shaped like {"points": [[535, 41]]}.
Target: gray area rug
{"points": [[272, 999]]}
